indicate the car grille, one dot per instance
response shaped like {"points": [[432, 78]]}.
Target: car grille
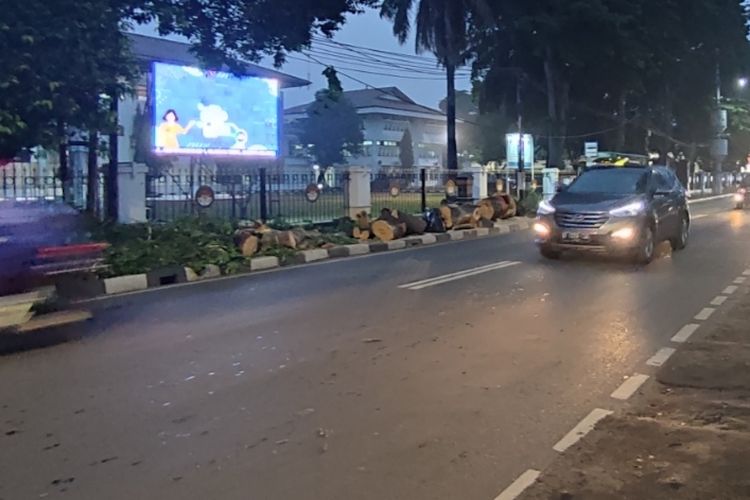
{"points": [[581, 220]]}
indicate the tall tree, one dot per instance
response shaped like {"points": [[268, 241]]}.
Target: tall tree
{"points": [[442, 27], [603, 68], [332, 125], [406, 150]]}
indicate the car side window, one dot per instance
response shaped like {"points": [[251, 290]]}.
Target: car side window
{"points": [[673, 180], [662, 181]]}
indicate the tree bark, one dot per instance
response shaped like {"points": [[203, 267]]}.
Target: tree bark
{"points": [[112, 194], [558, 103], [92, 174], [450, 71]]}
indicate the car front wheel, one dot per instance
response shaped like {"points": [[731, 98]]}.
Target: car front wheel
{"points": [[680, 241], [645, 252], [548, 253]]}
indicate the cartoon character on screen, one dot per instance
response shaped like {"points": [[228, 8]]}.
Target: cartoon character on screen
{"points": [[214, 122], [169, 130], [240, 140]]}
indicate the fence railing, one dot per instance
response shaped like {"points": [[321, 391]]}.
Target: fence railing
{"points": [[239, 193]]}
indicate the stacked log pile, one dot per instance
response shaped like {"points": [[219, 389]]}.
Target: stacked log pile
{"points": [[390, 225], [257, 237]]}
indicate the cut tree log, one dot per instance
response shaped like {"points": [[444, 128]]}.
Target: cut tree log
{"points": [[288, 239], [459, 216], [486, 209], [250, 245], [361, 234], [270, 239], [363, 220], [447, 215], [387, 230], [387, 227], [414, 225]]}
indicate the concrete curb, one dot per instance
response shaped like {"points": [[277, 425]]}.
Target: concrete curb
{"points": [[176, 274]]}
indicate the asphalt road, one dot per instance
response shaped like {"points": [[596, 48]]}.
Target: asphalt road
{"points": [[332, 382]]}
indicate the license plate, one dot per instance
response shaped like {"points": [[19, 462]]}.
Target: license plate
{"points": [[575, 237]]}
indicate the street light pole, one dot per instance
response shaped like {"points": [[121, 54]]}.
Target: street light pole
{"points": [[720, 145], [520, 174]]}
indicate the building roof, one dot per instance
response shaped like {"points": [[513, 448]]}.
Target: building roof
{"points": [[390, 98], [149, 49]]}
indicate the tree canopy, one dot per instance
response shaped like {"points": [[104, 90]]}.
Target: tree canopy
{"points": [[613, 70], [332, 125], [63, 55]]}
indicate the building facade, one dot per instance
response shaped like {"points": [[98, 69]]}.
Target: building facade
{"points": [[386, 114]]}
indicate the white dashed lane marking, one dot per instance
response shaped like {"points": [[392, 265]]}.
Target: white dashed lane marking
{"points": [[706, 313], [629, 387], [661, 356], [579, 431], [718, 301], [686, 332], [740, 280], [519, 485], [729, 290]]}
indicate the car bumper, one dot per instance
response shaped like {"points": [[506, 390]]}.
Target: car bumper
{"points": [[618, 236]]}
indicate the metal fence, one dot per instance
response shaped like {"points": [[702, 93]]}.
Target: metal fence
{"points": [[247, 194], [25, 181], [408, 190]]}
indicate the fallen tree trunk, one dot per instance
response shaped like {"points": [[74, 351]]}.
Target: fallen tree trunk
{"points": [[414, 224], [288, 239], [459, 216], [361, 234], [249, 245], [387, 227]]}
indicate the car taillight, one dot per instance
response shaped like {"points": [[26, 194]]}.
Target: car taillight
{"points": [[742, 191]]}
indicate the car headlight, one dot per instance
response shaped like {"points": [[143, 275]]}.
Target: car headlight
{"points": [[545, 208], [629, 210]]}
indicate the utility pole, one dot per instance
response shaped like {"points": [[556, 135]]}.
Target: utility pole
{"points": [[520, 173], [720, 145]]}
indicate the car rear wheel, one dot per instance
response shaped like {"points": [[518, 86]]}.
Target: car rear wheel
{"points": [[680, 240], [645, 252], [740, 206], [548, 253]]}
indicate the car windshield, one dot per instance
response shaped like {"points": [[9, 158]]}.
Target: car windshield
{"points": [[611, 181]]}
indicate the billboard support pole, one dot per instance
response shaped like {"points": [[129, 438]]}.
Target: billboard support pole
{"points": [[263, 195]]}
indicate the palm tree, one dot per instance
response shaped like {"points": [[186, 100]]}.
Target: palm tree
{"points": [[441, 28]]}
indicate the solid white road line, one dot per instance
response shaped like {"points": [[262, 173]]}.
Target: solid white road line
{"points": [[705, 313], [457, 273], [628, 388], [719, 301], [686, 332], [698, 217], [661, 356], [579, 431], [439, 280], [740, 280], [519, 485], [729, 290]]}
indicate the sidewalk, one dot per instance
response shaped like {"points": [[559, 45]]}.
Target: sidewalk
{"points": [[686, 437]]}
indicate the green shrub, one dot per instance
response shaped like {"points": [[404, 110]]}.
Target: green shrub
{"points": [[192, 242]]}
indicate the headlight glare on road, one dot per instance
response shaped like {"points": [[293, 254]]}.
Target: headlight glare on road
{"points": [[629, 210], [541, 229], [624, 234], [545, 208]]}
